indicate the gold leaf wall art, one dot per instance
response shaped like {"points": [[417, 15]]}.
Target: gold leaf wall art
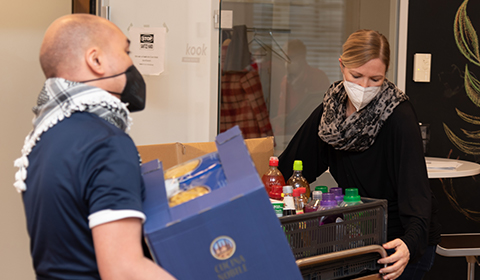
{"points": [[466, 40], [472, 87], [470, 148], [465, 35], [468, 118]]}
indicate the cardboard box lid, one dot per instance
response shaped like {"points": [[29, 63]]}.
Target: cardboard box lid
{"points": [[171, 154]]}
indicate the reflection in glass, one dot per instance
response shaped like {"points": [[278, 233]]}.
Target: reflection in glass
{"points": [[301, 91], [293, 49]]}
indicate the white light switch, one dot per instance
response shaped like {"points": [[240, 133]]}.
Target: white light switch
{"points": [[421, 67], [227, 19]]}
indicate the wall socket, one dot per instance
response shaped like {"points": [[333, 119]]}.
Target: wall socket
{"points": [[421, 67]]}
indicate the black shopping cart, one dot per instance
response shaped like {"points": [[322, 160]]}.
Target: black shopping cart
{"points": [[340, 243]]}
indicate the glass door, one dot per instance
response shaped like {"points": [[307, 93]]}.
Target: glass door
{"points": [[280, 57]]}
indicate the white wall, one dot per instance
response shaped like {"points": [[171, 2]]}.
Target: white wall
{"points": [[22, 25], [182, 101]]}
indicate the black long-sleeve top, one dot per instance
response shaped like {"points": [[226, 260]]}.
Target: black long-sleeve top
{"points": [[393, 168]]}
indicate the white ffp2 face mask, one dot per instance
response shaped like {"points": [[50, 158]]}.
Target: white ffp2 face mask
{"points": [[360, 96]]}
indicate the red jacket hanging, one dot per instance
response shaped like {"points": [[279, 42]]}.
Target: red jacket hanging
{"points": [[243, 104]]}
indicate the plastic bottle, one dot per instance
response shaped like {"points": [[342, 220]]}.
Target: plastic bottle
{"points": [[351, 198], [313, 205], [273, 176], [338, 194], [289, 204], [300, 200], [276, 192], [277, 206], [297, 180], [328, 202], [353, 230], [303, 196]]}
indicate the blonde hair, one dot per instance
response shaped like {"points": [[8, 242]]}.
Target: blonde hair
{"points": [[363, 46]]}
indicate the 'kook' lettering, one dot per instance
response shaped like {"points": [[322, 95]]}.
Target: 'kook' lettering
{"points": [[196, 50]]}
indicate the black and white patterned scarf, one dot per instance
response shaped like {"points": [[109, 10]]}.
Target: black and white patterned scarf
{"points": [[60, 98], [358, 131]]}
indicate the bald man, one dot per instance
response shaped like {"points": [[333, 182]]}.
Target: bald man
{"points": [[79, 173]]}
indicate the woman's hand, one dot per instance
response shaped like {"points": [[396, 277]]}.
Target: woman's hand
{"points": [[399, 259]]}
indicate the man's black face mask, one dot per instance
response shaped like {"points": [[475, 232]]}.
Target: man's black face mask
{"points": [[134, 92]]}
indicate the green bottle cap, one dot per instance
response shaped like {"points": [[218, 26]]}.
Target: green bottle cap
{"points": [[351, 195], [298, 165], [323, 189]]}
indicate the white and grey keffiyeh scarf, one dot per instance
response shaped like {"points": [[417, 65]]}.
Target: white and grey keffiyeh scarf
{"points": [[60, 98], [358, 131]]}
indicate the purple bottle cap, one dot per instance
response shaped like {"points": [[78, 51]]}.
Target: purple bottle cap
{"points": [[328, 200], [328, 196], [336, 191]]}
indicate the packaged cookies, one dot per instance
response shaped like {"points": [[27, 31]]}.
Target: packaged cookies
{"points": [[194, 178], [186, 195]]}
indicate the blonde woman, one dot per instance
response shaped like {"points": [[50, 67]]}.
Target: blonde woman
{"points": [[367, 134]]}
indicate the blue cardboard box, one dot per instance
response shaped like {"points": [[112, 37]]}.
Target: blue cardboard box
{"points": [[229, 233]]}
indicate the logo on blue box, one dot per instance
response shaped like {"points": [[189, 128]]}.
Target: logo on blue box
{"points": [[222, 247]]}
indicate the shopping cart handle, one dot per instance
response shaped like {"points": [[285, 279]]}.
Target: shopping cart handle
{"points": [[341, 255]]}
